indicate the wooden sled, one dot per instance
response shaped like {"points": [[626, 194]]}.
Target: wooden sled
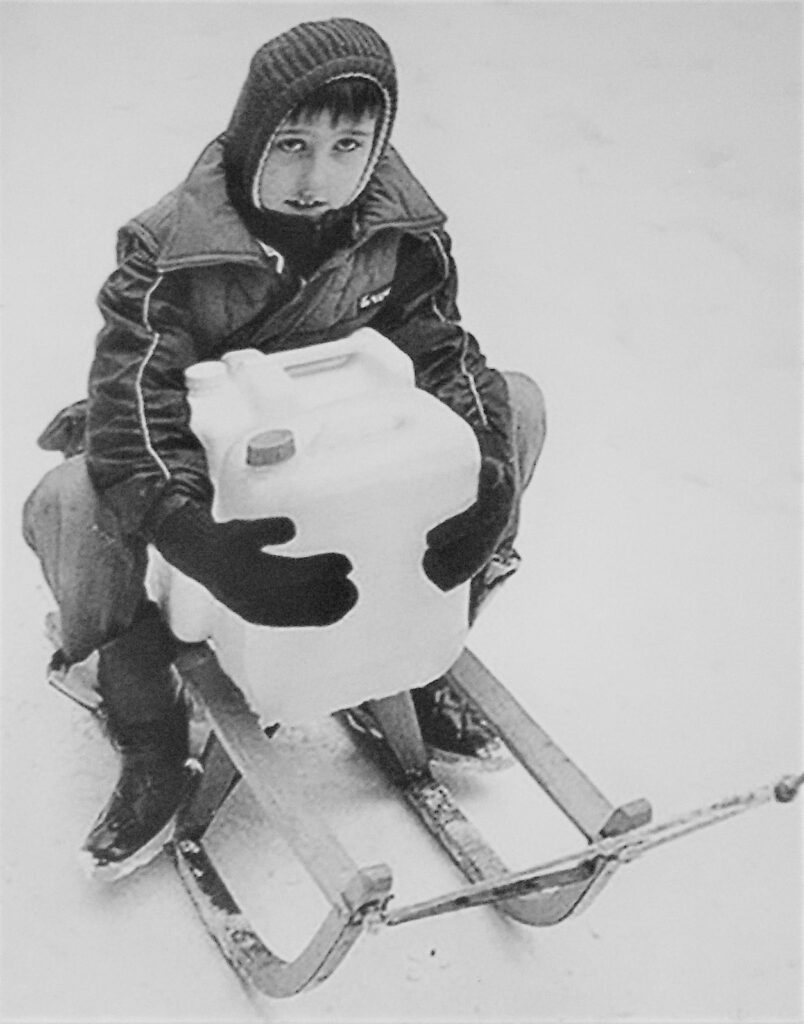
{"points": [[238, 750]]}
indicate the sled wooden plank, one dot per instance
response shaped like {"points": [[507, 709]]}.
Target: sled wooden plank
{"points": [[539, 901], [604, 871], [536, 904], [218, 779], [397, 718], [240, 945], [540, 756], [344, 884]]}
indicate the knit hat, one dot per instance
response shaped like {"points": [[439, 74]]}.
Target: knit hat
{"points": [[286, 70]]}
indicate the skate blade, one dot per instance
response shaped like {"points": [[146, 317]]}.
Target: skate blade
{"points": [[498, 759], [79, 683], [112, 872], [363, 724]]}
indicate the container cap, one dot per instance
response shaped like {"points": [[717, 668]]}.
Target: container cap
{"points": [[270, 447]]}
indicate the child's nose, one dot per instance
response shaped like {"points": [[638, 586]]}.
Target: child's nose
{"points": [[315, 172]]}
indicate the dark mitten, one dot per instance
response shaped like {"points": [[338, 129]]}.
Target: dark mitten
{"points": [[459, 547], [268, 590]]}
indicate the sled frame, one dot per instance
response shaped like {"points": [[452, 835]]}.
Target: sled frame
{"points": [[238, 750]]}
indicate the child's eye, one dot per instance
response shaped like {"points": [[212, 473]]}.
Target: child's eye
{"points": [[289, 145], [348, 145]]}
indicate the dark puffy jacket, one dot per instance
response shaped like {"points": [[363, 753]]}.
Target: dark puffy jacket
{"points": [[192, 284]]}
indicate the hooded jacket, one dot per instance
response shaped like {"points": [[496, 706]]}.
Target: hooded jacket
{"points": [[192, 283]]}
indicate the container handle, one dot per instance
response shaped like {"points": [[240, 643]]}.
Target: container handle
{"points": [[319, 365]]}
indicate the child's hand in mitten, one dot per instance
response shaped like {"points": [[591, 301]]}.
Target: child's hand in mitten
{"points": [[265, 589], [459, 547]]}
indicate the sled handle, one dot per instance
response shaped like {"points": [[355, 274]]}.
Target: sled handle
{"points": [[619, 849]]}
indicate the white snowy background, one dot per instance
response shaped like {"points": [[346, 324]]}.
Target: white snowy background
{"points": [[623, 185]]}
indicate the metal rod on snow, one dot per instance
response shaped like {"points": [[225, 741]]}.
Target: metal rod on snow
{"points": [[622, 848]]}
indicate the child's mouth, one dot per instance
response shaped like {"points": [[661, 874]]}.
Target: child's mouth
{"points": [[305, 205]]}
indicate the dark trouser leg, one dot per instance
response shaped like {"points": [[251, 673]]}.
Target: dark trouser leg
{"points": [[529, 423], [96, 574], [530, 428], [450, 727]]}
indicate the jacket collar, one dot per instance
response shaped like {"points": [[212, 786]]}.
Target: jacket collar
{"points": [[207, 229]]}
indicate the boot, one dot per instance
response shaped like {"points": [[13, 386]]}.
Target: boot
{"points": [[454, 731], [146, 719], [139, 817]]}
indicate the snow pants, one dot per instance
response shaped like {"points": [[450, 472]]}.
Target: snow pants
{"points": [[97, 573]]}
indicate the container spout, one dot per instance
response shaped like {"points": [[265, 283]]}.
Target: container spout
{"points": [[270, 447]]}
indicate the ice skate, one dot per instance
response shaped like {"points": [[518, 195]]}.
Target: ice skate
{"points": [[453, 731], [140, 815]]}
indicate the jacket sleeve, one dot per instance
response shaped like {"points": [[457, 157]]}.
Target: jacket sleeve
{"points": [[141, 454], [421, 316]]}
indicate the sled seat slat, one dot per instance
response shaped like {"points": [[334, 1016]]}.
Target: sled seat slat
{"points": [[251, 753], [243, 948], [218, 779], [562, 780]]}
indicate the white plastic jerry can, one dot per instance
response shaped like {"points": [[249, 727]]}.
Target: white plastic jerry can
{"points": [[338, 438]]}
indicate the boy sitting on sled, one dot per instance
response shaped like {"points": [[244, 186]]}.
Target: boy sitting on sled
{"points": [[298, 225]]}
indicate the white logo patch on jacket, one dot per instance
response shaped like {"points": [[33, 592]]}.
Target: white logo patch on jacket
{"points": [[373, 298]]}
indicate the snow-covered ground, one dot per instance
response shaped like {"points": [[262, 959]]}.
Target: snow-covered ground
{"points": [[623, 187]]}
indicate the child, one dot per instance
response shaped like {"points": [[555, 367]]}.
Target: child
{"points": [[298, 225]]}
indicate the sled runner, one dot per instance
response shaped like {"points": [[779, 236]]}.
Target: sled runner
{"points": [[239, 750]]}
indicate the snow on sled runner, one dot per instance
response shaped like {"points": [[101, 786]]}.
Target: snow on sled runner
{"points": [[238, 751]]}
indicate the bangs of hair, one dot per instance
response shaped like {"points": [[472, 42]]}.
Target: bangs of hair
{"points": [[344, 97]]}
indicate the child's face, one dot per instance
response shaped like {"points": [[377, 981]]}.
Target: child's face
{"points": [[315, 164]]}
